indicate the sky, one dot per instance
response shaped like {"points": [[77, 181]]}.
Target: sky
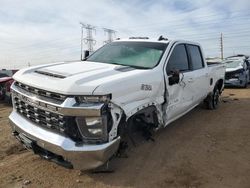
{"points": [[37, 32]]}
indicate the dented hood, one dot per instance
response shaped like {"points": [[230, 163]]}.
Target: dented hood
{"points": [[75, 77]]}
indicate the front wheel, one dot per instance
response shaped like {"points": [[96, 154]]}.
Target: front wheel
{"points": [[213, 100]]}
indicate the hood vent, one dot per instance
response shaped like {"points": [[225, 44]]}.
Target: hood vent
{"points": [[124, 69], [50, 74]]}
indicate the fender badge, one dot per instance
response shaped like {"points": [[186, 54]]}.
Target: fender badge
{"points": [[146, 87]]}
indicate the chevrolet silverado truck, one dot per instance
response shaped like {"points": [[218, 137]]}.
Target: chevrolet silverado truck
{"points": [[76, 113]]}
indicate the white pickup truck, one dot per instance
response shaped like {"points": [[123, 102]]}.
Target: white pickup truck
{"points": [[75, 113]]}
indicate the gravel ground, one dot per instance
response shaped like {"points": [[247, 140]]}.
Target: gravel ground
{"points": [[202, 149]]}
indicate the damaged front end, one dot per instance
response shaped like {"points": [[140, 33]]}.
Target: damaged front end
{"points": [[71, 130]]}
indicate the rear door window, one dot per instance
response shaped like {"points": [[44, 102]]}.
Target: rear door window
{"points": [[178, 59], [195, 57]]}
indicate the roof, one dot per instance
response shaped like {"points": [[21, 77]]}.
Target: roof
{"points": [[146, 39], [142, 40]]}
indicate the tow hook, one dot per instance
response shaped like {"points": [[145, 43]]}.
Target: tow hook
{"points": [[14, 133]]}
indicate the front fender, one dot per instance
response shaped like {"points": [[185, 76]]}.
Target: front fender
{"points": [[135, 106]]}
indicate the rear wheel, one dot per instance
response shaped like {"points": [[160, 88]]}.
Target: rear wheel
{"points": [[213, 100]]}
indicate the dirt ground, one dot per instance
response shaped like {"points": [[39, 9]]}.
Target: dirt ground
{"points": [[202, 149]]}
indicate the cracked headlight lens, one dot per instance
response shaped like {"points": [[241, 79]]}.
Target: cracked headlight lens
{"points": [[93, 121], [93, 128]]}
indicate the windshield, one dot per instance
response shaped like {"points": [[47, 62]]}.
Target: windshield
{"points": [[134, 54], [3, 75], [233, 63]]}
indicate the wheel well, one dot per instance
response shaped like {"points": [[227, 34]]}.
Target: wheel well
{"points": [[148, 115]]}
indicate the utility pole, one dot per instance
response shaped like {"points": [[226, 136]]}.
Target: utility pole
{"points": [[89, 40], [221, 47], [110, 34]]}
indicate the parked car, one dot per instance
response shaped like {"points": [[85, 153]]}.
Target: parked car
{"points": [[237, 72], [76, 114], [248, 65], [5, 82], [2, 75], [5, 87]]}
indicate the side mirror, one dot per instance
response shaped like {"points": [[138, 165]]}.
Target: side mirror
{"points": [[86, 54], [174, 77]]}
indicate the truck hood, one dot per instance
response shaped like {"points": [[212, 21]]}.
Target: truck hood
{"points": [[74, 78]]}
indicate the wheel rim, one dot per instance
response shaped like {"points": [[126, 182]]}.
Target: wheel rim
{"points": [[216, 98]]}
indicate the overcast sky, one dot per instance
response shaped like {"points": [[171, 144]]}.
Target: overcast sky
{"points": [[34, 32]]}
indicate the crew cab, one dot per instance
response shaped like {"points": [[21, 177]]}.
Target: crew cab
{"points": [[77, 113]]}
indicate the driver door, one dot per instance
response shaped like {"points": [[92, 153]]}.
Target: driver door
{"points": [[179, 95]]}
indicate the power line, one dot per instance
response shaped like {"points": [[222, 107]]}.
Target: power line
{"points": [[202, 36], [51, 42], [181, 24], [40, 44], [183, 16]]}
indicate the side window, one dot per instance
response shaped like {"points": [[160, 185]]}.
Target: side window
{"points": [[195, 56], [178, 59]]}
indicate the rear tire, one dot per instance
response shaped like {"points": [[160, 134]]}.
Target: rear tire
{"points": [[212, 101]]}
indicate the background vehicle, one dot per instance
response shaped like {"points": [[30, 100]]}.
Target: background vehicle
{"points": [[5, 82], [237, 72], [77, 113], [248, 65]]}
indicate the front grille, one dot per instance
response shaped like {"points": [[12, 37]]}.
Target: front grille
{"points": [[65, 125], [231, 74], [40, 92]]}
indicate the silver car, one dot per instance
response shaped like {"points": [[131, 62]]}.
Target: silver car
{"points": [[237, 72]]}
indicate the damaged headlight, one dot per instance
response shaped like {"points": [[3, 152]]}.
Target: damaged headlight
{"points": [[237, 75], [93, 128], [93, 99]]}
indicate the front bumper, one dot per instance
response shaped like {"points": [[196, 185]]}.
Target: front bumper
{"points": [[82, 157], [234, 82]]}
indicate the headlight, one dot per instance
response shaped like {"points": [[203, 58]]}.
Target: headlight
{"points": [[237, 75], [93, 99], [93, 128]]}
